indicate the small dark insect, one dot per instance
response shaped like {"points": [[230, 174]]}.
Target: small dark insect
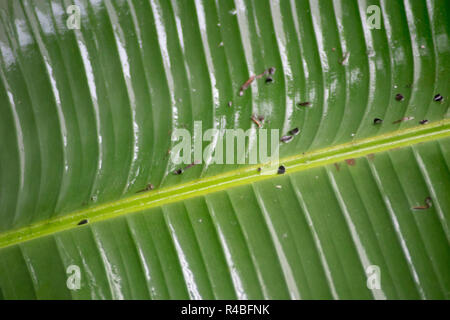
{"points": [[269, 80], [178, 172], [304, 104], [428, 204], [230, 103], [271, 70], [350, 162], [286, 139], [147, 188], [438, 98], [423, 121], [281, 169], [294, 131], [84, 221], [399, 97], [377, 121], [403, 119], [259, 169], [261, 118], [255, 120]]}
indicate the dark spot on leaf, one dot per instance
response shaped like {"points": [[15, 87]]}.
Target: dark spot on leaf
{"points": [[281, 169], [423, 121], [272, 70], [259, 169], [304, 104], [438, 98], [350, 162], [269, 80], [399, 97], [84, 221], [377, 121]]}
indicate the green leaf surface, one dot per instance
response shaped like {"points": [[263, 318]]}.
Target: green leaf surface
{"points": [[86, 118]]}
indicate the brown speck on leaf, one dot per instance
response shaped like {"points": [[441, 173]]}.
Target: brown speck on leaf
{"points": [[247, 83], [333, 49], [147, 188], [255, 120], [304, 104], [350, 162], [259, 169], [404, 119], [337, 166], [428, 204], [399, 97], [261, 119], [191, 165]]}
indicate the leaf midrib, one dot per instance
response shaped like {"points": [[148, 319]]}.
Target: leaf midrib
{"points": [[247, 175]]}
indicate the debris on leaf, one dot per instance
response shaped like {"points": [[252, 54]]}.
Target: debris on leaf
{"points": [[247, 83], [403, 119], [191, 165], [350, 162], [147, 188], [428, 204], [304, 104], [424, 121], [278, 186], [230, 103]]}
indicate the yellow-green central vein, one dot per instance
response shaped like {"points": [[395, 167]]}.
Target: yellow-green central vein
{"points": [[354, 149]]}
